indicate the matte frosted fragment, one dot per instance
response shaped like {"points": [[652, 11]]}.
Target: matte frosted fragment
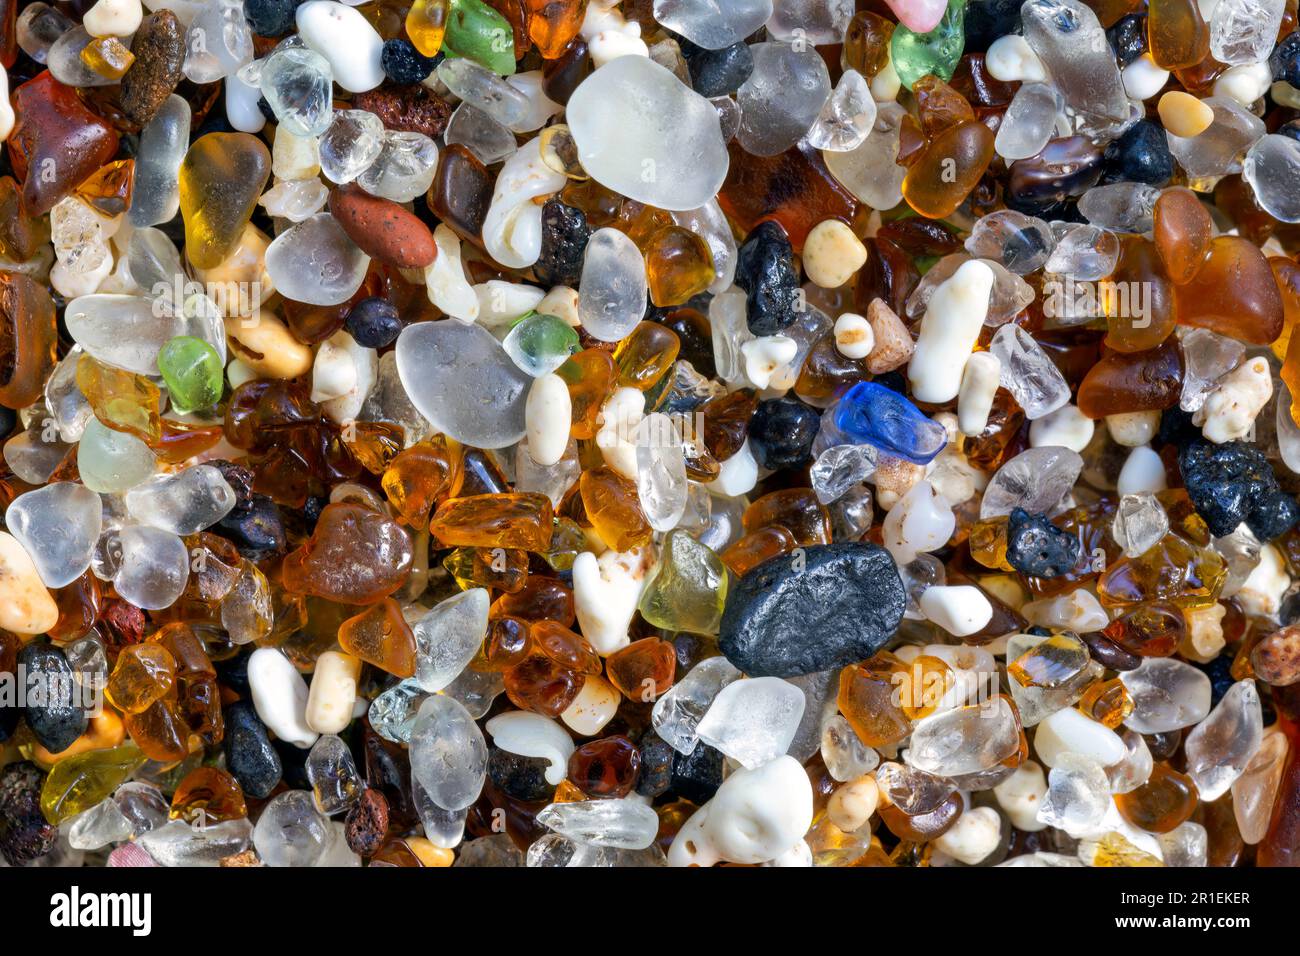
{"points": [[839, 468], [965, 740], [461, 379], [155, 193], [476, 690], [729, 331], [392, 714], [153, 569], [1272, 167], [57, 525], [816, 22], [713, 24], [753, 721], [1222, 745], [248, 609], [315, 262], [219, 42], [102, 824], [1078, 795], [335, 782], [154, 263], [478, 132], [846, 118], [1120, 207], [480, 87], [448, 753], [350, 145], [1167, 694], [39, 25], [404, 168], [642, 133], [782, 98], [1244, 31], [33, 459], [64, 400], [1219, 149], [660, 471], [1029, 121], [444, 828], [66, 64], [1188, 844], [626, 823], [845, 755], [448, 637], [677, 714], [870, 171], [177, 843], [295, 199], [1019, 242], [1028, 373], [1207, 357], [183, 503], [111, 461], [1072, 45], [291, 831], [612, 291], [122, 330], [1036, 480], [1140, 523], [299, 85], [1134, 769], [1254, 792]]}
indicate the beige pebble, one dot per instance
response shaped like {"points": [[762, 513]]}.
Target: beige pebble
{"points": [[333, 692], [851, 805], [240, 283], [1203, 639], [832, 253], [264, 344], [26, 606], [895, 478], [1183, 114], [894, 345], [853, 336], [593, 708], [561, 302]]}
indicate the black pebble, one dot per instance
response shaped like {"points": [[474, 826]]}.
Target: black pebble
{"points": [[1233, 482], [1285, 60], [251, 758], [1038, 548], [697, 775], [403, 63], [656, 765], [564, 240], [56, 717], [819, 607], [256, 529], [1141, 155], [270, 18], [25, 834], [515, 775], [1128, 38], [781, 432], [765, 271], [374, 322], [989, 20], [717, 72]]}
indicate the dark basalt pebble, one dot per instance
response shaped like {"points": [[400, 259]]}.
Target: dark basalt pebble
{"points": [[656, 765], [515, 775], [159, 48], [765, 271], [1233, 482], [374, 323], [25, 834], [54, 711], [696, 776], [366, 824], [1037, 548], [1128, 38], [403, 63], [989, 20], [256, 529], [270, 18], [251, 758], [819, 607], [564, 240], [717, 72], [1141, 155], [782, 431]]}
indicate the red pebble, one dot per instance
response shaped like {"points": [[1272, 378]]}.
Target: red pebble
{"points": [[383, 229]]}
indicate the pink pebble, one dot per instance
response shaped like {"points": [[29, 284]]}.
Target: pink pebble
{"points": [[919, 16], [129, 854]]}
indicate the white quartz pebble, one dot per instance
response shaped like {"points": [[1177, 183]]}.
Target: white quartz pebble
{"points": [[973, 837], [1070, 731], [1143, 79], [922, 520], [753, 721], [512, 229], [1020, 796], [1131, 429], [1230, 410], [113, 18], [616, 439], [756, 815], [764, 355], [1067, 426], [280, 696], [605, 595], [346, 39], [1143, 471], [593, 708], [854, 337], [333, 692], [979, 383], [548, 413], [738, 474], [951, 326], [1011, 58], [959, 609], [532, 735], [444, 278]]}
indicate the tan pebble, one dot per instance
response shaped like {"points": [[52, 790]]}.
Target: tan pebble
{"points": [[894, 345], [1203, 639], [264, 344], [26, 606], [1183, 114], [1276, 659], [832, 253], [240, 283], [851, 805], [895, 478], [428, 854], [853, 336]]}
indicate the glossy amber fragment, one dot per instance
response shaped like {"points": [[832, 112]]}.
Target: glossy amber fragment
{"points": [[28, 337], [1233, 293], [379, 635], [1177, 36], [1134, 381], [645, 355], [1183, 231], [795, 509], [354, 556], [419, 477], [1167, 799], [1174, 570], [614, 508], [518, 520], [1138, 300], [1107, 702], [867, 699], [948, 169], [208, 795], [552, 24], [121, 400], [221, 178], [502, 568], [643, 670]]}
